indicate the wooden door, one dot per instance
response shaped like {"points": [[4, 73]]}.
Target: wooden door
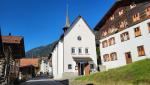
{"points": [[128, 57], [87, 69]]}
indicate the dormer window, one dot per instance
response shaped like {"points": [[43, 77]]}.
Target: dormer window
{"points": [[121, 12], [112, 17], [133, 5]]}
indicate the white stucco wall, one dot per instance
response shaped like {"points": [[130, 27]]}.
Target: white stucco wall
{"points": [[57, 60], [127, 46], [62, 56], [45, 67], [70, 40], [60, 59], [54, 62]]}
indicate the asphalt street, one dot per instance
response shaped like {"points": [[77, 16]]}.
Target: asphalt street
{"points": [[41, 82]]}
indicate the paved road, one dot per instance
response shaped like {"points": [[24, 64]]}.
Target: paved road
{"points": [[41, 82]]}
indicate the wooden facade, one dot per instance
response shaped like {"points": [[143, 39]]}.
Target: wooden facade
{"points": [[123, 14], [11, 49], [16, 43]]}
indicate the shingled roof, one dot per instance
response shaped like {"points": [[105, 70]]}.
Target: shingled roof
{"points": [[11, 39], [29, 61]]}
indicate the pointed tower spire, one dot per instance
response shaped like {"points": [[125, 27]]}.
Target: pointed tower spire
{"points": [[67, 16], [67, 25]]}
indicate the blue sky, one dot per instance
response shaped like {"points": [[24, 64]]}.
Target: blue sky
{"points": [[41, 21]]}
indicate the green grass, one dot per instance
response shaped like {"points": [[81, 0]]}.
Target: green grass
{"points": [[137, 73]]}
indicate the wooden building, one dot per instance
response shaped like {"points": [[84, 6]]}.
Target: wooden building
{"points": [[29, 67], [11, 49], [16, 43], [124, 33]]}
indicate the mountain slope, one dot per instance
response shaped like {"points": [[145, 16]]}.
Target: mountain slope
{"points": [[41, 51]]}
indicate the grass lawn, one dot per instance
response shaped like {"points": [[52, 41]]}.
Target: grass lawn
{"points": [[137, 73]]}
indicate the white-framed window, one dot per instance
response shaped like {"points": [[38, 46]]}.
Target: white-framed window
{"points": [[86, 51], [73, 50], [80, 50], [91, 66]]}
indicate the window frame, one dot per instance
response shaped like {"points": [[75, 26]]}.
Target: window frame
{"points": [[110, 41], [80, 49], [136, 17], [112, 57], [91, 66], [137, 33], [148, 24], [103, 44], [69, 66], [106, 58], [125, 34], [141, 50], [73, 48], [123, 24], [86, 50], [147, 10]]}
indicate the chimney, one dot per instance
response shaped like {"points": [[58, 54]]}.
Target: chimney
{"points": [[9, 34]]}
